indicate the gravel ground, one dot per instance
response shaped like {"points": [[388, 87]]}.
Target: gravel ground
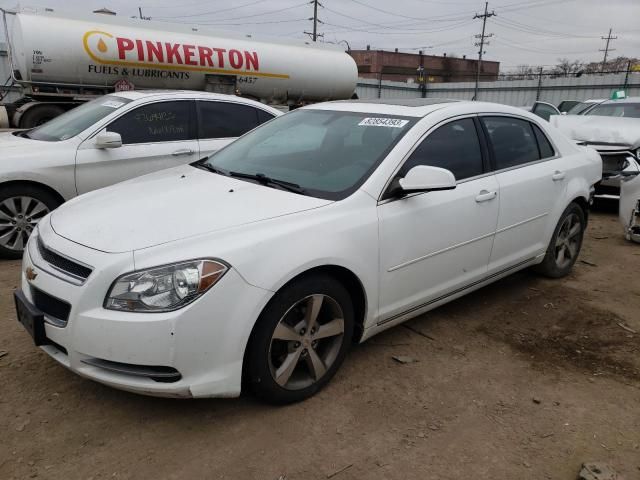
{"points": [[526, 378]]}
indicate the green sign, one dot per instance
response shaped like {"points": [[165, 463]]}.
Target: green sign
{"points": [[618, 95]]}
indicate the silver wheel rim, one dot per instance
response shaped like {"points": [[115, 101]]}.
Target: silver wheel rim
{"points": [[18, 217], [306, 342], [568, 241]]}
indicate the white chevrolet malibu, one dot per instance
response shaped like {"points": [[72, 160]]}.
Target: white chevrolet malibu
{"points": [[263, 264], [108, 140]]}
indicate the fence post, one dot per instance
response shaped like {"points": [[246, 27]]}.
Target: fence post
{"points": [[626, 77], [380, 84], [539, 85]]}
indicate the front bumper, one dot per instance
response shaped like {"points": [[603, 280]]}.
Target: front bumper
{"points": [[204, 342]]}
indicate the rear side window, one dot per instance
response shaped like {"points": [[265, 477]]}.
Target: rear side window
{"points": [[512, 140], [454, 146], [155, 122], [228, 120], [546, 150]]}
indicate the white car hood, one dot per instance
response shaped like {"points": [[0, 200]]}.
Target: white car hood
{"points": [[616, 131], [10, 142], [170, 205]]}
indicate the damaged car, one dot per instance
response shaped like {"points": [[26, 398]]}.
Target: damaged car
{"points": [[613, 129], [630, 207]]}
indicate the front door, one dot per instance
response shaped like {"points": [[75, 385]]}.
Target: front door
{"points": [[155, 136], [435, 243]]}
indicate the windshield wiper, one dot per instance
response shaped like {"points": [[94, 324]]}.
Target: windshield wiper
{"points": [[264, 180], [208, 168]]}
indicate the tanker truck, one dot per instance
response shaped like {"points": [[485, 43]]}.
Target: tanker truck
{"points": [[60, 61]]}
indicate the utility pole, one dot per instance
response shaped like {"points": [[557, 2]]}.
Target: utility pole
{"points": [[142, 17], [314, 35], [482, 42], [606, 50]]}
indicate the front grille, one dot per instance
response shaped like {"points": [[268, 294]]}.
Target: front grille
{"points": [[62, 263], [49, 305]]}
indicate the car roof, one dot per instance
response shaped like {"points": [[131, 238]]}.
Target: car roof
{"points": [[144, 94], [418, 108]]}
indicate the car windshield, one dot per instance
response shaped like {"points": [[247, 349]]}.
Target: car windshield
{"points": [[628, 110], [327, 154], [580, 108], [71, 123]]}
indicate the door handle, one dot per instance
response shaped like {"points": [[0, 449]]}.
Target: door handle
{"points": [[184, 151], [485, 196], [558, 175]]}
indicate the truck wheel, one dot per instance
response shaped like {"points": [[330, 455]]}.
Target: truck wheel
{"points": [[565, 244], [300, 340], [39, 114], [21, 208]]}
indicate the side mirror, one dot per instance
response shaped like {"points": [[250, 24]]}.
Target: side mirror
{"points": [[423, 178], [108, 140]]}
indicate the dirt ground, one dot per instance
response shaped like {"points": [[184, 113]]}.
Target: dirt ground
{"points": [[524, 379]]}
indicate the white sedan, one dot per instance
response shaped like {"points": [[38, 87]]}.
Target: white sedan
{"points": [[108, 140], [265, 262]]}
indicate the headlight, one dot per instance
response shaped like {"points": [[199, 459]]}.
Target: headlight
{"points": [[165, 288]]}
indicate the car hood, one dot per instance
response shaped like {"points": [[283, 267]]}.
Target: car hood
{"points": [[9, 142], [170, 205], [605, 133]]}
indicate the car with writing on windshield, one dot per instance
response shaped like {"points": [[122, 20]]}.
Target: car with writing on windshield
{"points": [[261, 265], [108, 140]]}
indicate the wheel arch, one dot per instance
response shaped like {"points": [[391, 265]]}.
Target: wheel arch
{"points": [[32, 183]]}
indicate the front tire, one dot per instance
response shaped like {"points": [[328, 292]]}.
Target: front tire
{"points": [[565, 245], [21, 208], [300, 340]]}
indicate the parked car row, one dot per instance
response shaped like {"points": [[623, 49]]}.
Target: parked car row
{"points": [[261, 264]]}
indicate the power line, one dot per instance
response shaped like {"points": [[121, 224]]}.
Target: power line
{"points": [[606, 50], [482, 42]]}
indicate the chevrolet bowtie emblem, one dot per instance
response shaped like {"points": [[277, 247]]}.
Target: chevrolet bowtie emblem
{"points": [[30, 273]]}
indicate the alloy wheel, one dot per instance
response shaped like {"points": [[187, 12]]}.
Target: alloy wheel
{"points": [[18, 218], [568, 240], [306, 342]]}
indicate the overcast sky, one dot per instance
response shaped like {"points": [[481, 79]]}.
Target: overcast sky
{"points": [[534, 32]]}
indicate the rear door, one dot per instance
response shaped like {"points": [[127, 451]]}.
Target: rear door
{"points": [[219, 123], [532, 180], [155, 136], [544, 110]]}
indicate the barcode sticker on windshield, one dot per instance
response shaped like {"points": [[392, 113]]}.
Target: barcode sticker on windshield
{"points": [[112, 104], [383, 122]]}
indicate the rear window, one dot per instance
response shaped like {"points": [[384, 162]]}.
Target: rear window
{"points": [[228, 120]]}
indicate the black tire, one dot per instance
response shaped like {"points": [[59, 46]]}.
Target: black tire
{"points": [[8, 194], [263, 350], [39, 114], [551, 266]]}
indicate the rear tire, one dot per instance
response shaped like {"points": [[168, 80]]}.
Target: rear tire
{"points": [[300, 340], [39, 114], [21, 208], [565, 245]]}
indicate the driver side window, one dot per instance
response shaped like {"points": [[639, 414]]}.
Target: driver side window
{"points": [[454, 146]]}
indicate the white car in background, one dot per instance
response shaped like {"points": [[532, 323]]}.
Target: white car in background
{"points": [[630, 207], [322, 227], [108, 140], [612, 128]]}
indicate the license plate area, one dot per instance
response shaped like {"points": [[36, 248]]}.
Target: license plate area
{"points": [[30, 317]]}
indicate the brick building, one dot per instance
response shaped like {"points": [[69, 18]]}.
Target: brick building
{"points": [[401, 67]]}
